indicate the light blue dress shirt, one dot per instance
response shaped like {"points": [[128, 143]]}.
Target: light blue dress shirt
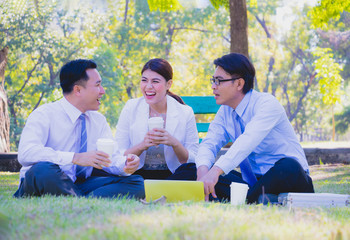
{"points": [[268, 136]]}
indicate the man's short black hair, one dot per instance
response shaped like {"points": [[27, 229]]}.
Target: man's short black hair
{"points": [[73, 72], [238, 65]]}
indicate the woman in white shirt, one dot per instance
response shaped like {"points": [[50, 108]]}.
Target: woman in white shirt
{"points": [[165, 153]]}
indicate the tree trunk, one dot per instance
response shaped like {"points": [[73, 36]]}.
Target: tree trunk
{"points": [[268, 82], [333, 124], [126, 11], [239, 26], [4, 115]]}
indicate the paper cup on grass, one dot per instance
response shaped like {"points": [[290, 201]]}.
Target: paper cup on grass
{"points": [[238, 193], [155, 122], [106, 145]]}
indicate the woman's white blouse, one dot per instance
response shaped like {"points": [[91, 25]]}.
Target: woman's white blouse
{"points": [[180, 123]]}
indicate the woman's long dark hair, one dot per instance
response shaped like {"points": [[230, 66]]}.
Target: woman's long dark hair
{"points": [[163, 68]]}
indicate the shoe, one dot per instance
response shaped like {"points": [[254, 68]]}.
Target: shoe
{"points": [[267, 199]]}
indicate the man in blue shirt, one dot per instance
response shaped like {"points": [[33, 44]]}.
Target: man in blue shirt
{"points": [[265, 146]]}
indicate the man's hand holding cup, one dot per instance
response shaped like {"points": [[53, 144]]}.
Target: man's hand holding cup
{"points": [[106, 145], [131, 164]]}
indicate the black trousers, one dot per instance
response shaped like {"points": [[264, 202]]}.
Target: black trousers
{"points": [[186, 171], [286, 175], [47, 178]]}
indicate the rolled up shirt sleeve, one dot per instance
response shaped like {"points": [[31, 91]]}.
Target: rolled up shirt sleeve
{"points": [[117, 165]]}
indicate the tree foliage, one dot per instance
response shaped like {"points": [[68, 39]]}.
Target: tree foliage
{"points": [[121, 36], [330, 81], [41, 36], [328, 73], [342, 121], [327, 10], [164, 5], [331, 17]]}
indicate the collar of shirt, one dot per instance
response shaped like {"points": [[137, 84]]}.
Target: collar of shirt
{"points": [[242, 106], [72, 112]]}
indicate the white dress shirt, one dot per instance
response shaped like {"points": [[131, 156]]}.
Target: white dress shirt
{"points": [[180, 123], [267, 138], [52, 134]]}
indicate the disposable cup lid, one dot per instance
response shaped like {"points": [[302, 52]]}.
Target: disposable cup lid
{"points": [[239, 184], [155, 119], [105, 140]]}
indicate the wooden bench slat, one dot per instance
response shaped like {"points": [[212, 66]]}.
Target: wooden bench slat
{"points": [[203, 127], [202, 104]]}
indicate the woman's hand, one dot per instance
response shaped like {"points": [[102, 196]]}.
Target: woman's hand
{"points": [[147, 142], [161, 136], [141, 147]]}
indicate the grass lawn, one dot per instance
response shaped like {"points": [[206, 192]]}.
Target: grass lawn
{"points": [[79, 218]]}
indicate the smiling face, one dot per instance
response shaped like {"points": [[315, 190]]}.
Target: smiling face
{"points": [[230, 92], [90, 92], [154, 88]]}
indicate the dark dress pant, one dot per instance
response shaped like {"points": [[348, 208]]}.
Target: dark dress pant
{"points": [[186, 171], [287, 175], [48, 178]]}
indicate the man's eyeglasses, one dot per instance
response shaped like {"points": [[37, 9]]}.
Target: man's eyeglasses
{"points": [[217, 81]]}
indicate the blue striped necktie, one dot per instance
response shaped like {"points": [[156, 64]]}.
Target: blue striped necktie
{"points": [[80, 170], [246, 169]]}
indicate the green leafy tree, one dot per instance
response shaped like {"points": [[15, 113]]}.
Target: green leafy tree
{"points": [[266, 47], [330, 80], [238, 24], [342, 121], [238, 20], [164, 5], [137, 34], [331, 18], [40, 36], [327, 10]]}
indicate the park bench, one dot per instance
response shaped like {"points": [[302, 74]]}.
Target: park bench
{"points": [[202, 105]]}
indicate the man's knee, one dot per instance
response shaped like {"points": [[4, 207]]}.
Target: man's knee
{"points": [[187, 166], [135, 180], [186, 171], [124, 186], [138, 191], [42, 171], [290, 166]]}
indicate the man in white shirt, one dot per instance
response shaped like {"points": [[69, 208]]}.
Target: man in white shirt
{"points": [[57, 148], [265, 146]]}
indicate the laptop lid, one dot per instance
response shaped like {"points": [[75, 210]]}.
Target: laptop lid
{"points": [[174, 190]]}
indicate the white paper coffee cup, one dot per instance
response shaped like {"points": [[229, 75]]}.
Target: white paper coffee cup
{"points": [[238, 193], [106, 145], [155, 122]]}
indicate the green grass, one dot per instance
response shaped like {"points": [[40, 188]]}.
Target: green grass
{"points": [[78, 218], [331, 178]]}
